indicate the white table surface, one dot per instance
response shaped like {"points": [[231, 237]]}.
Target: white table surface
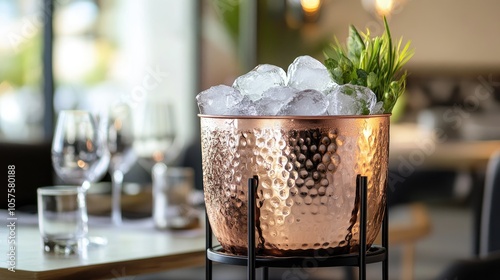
{"points": [[134, 248]]}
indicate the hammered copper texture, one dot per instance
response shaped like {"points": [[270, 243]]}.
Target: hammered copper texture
{"points": [[307, 171]]}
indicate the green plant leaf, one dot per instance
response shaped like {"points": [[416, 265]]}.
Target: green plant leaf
{"points": [[374, 62], [355, 45]]}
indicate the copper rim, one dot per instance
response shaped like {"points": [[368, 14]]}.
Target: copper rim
{"points": [[295, 117]]}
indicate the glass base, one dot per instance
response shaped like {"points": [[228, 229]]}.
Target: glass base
{"points": [[64, 246]]}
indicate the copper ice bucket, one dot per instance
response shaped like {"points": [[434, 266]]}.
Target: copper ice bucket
{"points": [[307, 168]]}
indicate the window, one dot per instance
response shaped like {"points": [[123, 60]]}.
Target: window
{"points": [[103, 52]]}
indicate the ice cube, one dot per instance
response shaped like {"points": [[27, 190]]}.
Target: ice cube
{"points": [[244, 108], [308, 102], [377, 109], [306, 72], [218, 100], [351, 100], [274, 99], [263, 77]]}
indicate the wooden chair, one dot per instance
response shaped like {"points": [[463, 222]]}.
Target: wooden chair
{"points": [[407, 224], [487, 264]]}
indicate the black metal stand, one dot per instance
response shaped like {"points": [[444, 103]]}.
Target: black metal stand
{"points": [[360, 259]]}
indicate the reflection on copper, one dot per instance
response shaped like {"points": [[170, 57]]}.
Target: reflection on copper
{"points": [[307, 169]]}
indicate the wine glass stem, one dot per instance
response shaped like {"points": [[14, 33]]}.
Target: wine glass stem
{"points": [[82, 198], [116, 191]]}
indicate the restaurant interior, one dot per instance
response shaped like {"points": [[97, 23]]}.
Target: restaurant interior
{"points": [[443, 167]]}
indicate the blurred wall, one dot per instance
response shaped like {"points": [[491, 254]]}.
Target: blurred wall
{"points": [[448, 35]]}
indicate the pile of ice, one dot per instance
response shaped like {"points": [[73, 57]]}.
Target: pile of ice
{"points": [[307, 90]]}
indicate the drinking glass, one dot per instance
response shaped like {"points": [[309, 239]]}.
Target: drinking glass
{"points": [[79, 152], [120, 144], [172, 189], [154, 132], [62, 216]]}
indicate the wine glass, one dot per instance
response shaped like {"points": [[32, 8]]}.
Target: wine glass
{"points": [[120, 144], [155, 138], [79, 152]]}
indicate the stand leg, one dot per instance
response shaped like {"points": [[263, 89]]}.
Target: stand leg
{"points": [[265, 273], [361, 187], [252, 186], [208, 245]]}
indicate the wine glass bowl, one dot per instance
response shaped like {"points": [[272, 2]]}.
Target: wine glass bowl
{"points": [[78, 153], [120, 138], [154, 132]]}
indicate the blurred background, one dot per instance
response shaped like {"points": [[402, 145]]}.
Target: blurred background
{"points": [[104, 50], [89, 54]]}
